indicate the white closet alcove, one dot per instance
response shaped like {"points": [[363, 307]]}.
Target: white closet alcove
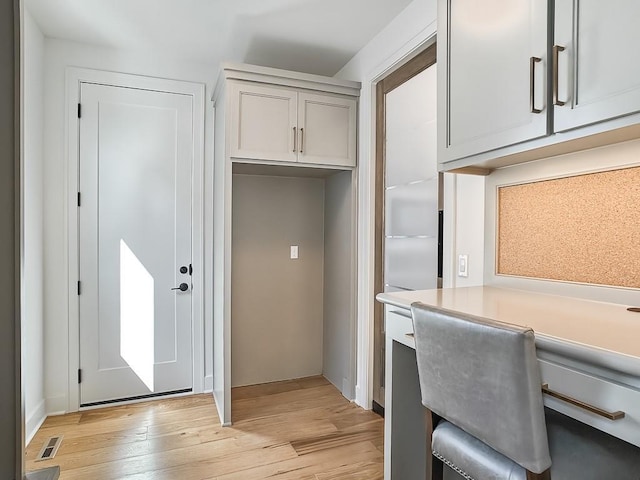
{"points": [[284, 177]]}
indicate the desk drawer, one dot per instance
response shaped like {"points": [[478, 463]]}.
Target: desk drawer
{"points": [[597, 392], [399, 326]]}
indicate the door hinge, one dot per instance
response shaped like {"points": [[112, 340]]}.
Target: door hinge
{"points": [[79, 287], [79, 375], [79, 199], [79, 111]]}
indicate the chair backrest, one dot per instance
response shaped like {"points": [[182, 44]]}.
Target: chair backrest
{"points": [[483, 376]]}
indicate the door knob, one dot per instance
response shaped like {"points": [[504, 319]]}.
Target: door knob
{"points": [[183, 287]]}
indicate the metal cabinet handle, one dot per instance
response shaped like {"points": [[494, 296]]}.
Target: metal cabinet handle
{"points": [[585, 406], [402, 313], [556, 52], [301, 139], [532, 83], [295, 140]]}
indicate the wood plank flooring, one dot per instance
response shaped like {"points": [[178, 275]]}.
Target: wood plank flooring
{"points": [[295, 430]]}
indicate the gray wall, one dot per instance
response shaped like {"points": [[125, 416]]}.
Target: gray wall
{"points": [[339, 294], [277, 303], [9, 327]]}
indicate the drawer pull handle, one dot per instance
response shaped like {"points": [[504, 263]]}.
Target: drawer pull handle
{"points": [[532, 83], [585, 406], [402, 313], [556, 53], [295, 140]]}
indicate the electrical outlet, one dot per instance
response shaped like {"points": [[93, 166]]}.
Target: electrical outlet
{"points": [[294, 252], [463, 265]]}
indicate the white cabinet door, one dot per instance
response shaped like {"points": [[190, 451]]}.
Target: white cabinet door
{"points": [[327, 130], [263, 122], [598, 78], [494, 91]]}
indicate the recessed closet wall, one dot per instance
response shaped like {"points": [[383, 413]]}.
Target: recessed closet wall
{"points": [[291, 318]]}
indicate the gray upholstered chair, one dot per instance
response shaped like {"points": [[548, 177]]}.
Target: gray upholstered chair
{"points": [[482, 378]]}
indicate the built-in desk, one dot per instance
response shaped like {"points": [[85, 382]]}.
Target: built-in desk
{"points": [[587, 350]]}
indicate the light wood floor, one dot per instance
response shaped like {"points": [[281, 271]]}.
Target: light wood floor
{"points": [[295, 430]]}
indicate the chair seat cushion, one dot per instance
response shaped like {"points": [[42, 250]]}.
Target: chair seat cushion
{"points": [[471, 458], [578, 452]]}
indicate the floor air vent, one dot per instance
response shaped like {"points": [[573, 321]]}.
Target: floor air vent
{"points": [[49, 448]]}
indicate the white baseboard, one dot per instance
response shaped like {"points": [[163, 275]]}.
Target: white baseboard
{"points": [[208, 384], [57, 405], [359, 400], [34, 421]]}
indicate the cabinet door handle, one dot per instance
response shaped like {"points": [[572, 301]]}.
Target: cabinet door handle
{"points": [[301, 139], [556, 53], [617, 415], [295, 140], [532, 83]]}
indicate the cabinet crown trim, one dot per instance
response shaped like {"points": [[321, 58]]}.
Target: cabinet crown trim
{"points": [[275, 76]]}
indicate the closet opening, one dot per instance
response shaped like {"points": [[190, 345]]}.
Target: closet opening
{"points": [[292, 276]]}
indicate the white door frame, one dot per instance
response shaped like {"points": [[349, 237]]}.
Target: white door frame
{"points": [[74, 77], [366, 202]]}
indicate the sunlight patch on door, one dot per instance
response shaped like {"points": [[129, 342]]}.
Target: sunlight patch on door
{"points": [[136, 316]]}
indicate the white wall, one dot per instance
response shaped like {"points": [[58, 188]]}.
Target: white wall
{"points": [[338, 356], [464, 214], [32, 314], [408, 34], [59, 55]]}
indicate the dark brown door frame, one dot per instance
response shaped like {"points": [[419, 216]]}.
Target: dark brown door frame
{"points": [[413, 67]]}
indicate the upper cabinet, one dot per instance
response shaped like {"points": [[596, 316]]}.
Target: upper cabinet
{"points": [[263, 122], [492, 89], [596, 77], [525, 79], [327, 129], [304, 119]]}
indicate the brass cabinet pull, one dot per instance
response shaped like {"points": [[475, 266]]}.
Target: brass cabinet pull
{"points": [[301, 139], [556, 52], [532, 83], [585, 406], [295, 140]]}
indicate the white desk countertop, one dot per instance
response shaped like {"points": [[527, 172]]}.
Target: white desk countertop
{"points": [[602, 333]]}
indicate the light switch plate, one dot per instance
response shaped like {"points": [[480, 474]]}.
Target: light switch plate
{"points": [[294, 252], [463, 265]]}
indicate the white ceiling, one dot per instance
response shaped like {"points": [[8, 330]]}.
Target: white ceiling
{"points": [[314, 36]]}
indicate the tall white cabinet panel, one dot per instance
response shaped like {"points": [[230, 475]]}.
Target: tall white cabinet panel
{"points": [[493, 64], [327, 129], [263, 124], [597, 77]]}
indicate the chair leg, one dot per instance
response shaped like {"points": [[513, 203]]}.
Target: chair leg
{"points": [[437, 469], [546, 475], [434, 466]]}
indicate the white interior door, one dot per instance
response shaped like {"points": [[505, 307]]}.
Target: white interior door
{"points": [[136, 154]]}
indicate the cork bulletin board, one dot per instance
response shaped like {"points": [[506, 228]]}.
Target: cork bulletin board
{"points": [[582, 229]]}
